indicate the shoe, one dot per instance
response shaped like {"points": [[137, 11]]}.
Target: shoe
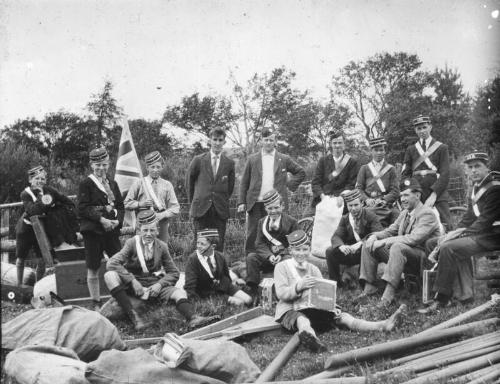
{"points": [[311, 342], [200, 321], [384, 304], [137, 321], [434, 307], [467, 301]]}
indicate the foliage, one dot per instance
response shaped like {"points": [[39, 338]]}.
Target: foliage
{"points": [[16, 160]]}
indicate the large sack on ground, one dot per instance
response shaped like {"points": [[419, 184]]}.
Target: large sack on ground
{"points": [[85, 332], [139, 367], [9, 274], [223, 360], [326, 221], [44, 364]]}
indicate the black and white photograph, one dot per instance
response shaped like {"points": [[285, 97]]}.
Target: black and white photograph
{"points": [[250, 191]]}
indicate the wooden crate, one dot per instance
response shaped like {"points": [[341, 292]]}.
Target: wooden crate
{"points": [[70, 254], [71, 279], [486, 265]]}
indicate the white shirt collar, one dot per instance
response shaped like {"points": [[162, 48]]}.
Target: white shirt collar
{"points": [[378, 163], [427, 142], [212, 154], [150, 245], [337, 159]]}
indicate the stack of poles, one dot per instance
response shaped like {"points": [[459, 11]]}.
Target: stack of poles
{"points": [[459, 358]]}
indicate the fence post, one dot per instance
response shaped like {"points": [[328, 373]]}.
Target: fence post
{"points": [[5, 221]]}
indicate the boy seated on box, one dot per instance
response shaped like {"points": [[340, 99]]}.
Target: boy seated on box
{"points": [[293, 278], [144, 268], [207, 272], [271, 244]]}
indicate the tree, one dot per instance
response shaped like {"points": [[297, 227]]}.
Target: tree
{"points": [[377, 88], [104, 109]]}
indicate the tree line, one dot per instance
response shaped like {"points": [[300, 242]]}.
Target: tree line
{"points": [[376, 96]]}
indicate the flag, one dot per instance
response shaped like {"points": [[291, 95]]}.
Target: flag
{"points": [[128, 168]]}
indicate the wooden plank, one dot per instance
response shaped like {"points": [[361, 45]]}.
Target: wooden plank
{"points": [[4, 223], [43, 241], [263, 323], [84, 300], [226, 323]]}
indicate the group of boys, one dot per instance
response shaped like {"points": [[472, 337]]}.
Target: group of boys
{"points": [[372, 230]]}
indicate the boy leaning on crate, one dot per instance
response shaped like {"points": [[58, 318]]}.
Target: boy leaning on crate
{"points": [[293, 278]]}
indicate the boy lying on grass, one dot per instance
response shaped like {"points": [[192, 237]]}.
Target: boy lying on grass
{"points": [[292, 278]]}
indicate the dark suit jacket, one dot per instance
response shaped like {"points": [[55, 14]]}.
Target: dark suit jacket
{"points": [[323, 182], [389, 179], [127, 264], [198, 281], [288, 224], [422, 226], [90, 197], [32, 208], [368, 223], [429, 183], [204, 189], [251, 180], [480, 227]]}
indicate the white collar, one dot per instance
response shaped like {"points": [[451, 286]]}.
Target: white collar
{"points": [[268, 154], [150, 245], [427, 142], [337, 159], [212, 155], [378, 163]]}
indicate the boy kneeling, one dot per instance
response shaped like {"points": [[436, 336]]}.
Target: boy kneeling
{"points": [[144, 268], [207, 272], [292, 278]]}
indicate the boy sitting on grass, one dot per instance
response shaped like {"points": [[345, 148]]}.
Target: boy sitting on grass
{"points": [[207, 272], [292, 278]]}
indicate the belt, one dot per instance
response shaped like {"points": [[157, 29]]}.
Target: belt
{"points": [[425, 172]]}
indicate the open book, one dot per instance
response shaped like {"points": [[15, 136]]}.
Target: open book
{"points": [[322, 296]]}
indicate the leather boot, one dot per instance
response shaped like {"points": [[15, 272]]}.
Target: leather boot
{"points": [[139, 323]]}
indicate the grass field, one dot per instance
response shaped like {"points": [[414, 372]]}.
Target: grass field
{"points": [[263, 349]]}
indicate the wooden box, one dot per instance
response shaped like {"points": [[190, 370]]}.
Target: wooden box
{"points": [[322, 296], [486, 265], [70, 254], [18, 294], [71, 279], [268, 297]]}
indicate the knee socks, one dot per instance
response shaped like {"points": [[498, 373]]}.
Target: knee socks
{"points": [[20, 271], [185, 308], [122, 298], [93, 285]]}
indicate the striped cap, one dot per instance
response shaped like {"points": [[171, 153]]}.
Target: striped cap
{"points": [[377, 142], [297, 238], [421, 119], [410, 183], [271, 197], [35, 171], [152, 157], [482, 156], [97, 155], [351, 195], [146, 216], [208, 233]]}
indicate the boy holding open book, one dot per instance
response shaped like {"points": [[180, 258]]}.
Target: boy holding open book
{"points": [[307, 301]]}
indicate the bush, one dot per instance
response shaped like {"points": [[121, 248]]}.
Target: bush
{"points": [[16, 160]]}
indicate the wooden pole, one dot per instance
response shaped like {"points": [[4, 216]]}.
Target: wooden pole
{"points": [[280, 360], [396, 346], [4, 223], [457, 369], [328, 374], [473, 375], [488, 377], [338, 380], [495, 299]]}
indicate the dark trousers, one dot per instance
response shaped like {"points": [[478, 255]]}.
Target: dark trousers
{"points": [[211, 219], [443, 208], [334, 258], [255, 265], [95, 244], [454, 254], [254, 215]]}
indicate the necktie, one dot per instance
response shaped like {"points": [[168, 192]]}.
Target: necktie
{"points": [[154, 184], [211, 265], [111, 196], [214, 164], [356, 225], [148, 252], [423, 145], [406, 224]]}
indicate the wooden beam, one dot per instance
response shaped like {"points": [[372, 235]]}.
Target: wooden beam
{"points": [[84, 300], [43, 241], [225, 323], [280, 360], [495, 299], [397, 346]]}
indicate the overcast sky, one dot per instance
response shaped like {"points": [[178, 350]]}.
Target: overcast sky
{"points": [[55, 53]]}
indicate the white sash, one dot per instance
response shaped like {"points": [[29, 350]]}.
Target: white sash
{"points": [[338, 169], [377, 176], [356, 234], [158, 203], [204, 264], [424, 156], [268, 235], [98, 183], [30, 192], [140, 254], [475, 198]]}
